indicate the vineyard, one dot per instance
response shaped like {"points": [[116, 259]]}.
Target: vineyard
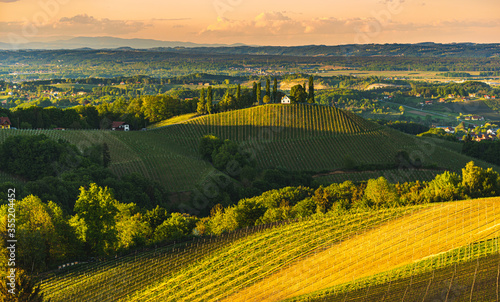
{"points": [[292, 137], [389, 253]]}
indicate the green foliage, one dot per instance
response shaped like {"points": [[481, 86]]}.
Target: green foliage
{"points": [[26, 289], [380, 193], [478, 182], [445, 187], [95, 221], [176, 227], [132, 230], [208, 145], [44, 237], [34, 157], [310, 98], [298, 94]]}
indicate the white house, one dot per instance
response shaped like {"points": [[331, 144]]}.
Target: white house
{"points": [[285, 100], [120, 126]]}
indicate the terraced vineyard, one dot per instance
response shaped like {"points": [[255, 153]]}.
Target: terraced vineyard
{"points": [[293, 137], [392, 252]]}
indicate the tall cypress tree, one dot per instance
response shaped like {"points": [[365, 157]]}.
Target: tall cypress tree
{"points": [[259, 90], [268, 87], [238, 97], [254, 91], [275, 91], [209, 99], [310, 99], [202, 105]]}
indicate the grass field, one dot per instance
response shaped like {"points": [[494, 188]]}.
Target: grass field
{"points": [[348, 255]]}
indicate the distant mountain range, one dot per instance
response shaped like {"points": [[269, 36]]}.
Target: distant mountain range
{"points": [[105, 42], [427, 49]]}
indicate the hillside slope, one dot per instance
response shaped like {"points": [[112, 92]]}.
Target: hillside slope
{"points": [[296, 258], [292, 137]]}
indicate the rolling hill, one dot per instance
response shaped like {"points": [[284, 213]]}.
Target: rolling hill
{"points": [[292, 137], [392, 253]]}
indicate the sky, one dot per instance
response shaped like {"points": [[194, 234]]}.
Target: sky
{"points": [[254, 22]]}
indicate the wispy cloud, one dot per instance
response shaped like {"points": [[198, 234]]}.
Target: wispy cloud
{"points": [[279, 24], [7, 1], [79, 25]]}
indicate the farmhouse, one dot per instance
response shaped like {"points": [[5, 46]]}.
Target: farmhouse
{"points": [[5, 123], [285, 100], [120, 126]]}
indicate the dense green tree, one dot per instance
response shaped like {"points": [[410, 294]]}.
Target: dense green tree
{"points": [[238, 96], [209, 144], [478, 182], [298, 94], [310, 98], [380, 193], [175, 227], [34, 157], [210, 96], [202, 104], [274, 97], [26, 288], [268, 88], [258, 95], [95, 221]]}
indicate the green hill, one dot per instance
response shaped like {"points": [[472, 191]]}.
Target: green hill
{"points": [[292, 137], [324, 256]]}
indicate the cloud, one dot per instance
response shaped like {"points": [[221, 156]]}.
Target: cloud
{"points": [[7, 1], [88, 24], [77, 25], [270, 23], [280, 25]]}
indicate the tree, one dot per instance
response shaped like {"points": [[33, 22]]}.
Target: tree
{"points": [[298, 94], [95, 221], [380, 193], [268, 88], [402, 110], [210, 96], [209, 144], [266, 99], [310, 99], [175, 227], [202, 105], [254, 91], [25, 286], [106, 157], [259, 91], [478, 182], [274, 98], [238, 96]]}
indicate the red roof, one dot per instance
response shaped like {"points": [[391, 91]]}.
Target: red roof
{"points": [[5, 121], [117, 124]]}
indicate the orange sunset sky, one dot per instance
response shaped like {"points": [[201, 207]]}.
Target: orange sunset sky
{"points": [[255, 22]]}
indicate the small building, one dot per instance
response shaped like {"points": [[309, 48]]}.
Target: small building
{"points": [[429, 102], [120, 126], [285, 100], [5, 123], [442, 100]]}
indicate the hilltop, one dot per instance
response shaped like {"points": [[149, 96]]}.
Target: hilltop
{"points": [[303, 137], [323, 256]]}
